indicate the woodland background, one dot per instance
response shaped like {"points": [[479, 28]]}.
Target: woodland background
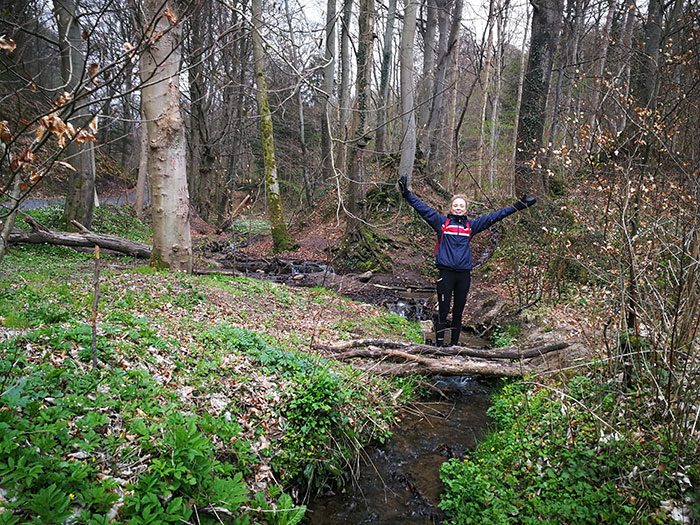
{"points": [[592, 107]]}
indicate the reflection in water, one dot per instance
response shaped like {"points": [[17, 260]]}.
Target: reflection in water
{"points": [[400, 483]]}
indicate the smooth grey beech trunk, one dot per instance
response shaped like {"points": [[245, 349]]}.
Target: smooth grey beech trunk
{"points": [[408, 113], [167, 151]]}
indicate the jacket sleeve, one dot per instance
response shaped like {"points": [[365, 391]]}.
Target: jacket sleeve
{"points": [[429, 215], [485, 221]]}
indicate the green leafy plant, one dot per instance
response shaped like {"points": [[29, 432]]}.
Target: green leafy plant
{"points": [[552, 456]]}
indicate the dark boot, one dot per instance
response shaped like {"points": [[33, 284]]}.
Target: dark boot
{"points": [[440, 334], [456, 331]]}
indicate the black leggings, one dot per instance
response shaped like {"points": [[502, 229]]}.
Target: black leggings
{"points": [[451, 282]]}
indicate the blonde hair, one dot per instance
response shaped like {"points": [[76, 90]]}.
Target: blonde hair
{"points": [[458, 196]]}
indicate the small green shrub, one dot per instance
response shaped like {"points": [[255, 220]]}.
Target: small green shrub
{"points": [[505, 336]]}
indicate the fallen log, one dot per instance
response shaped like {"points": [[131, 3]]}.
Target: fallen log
{"points": [[84, 238], [446, 366], [525, 351]]}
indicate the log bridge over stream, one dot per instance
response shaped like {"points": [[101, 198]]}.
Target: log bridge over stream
{"points": [[397, 358]]}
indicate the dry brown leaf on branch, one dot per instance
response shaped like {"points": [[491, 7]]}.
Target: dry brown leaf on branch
{"points": [[63, 98], [23, 160], [7, 44], [82, 136], [5, 134], [130, 51], [170, 15], [34, 177], [92, 72], [93, 124]]}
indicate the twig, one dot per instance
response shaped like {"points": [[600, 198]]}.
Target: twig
{"points": [[96, 282]]}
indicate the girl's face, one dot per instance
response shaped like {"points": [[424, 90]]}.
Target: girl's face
{"points": [[459, 207]]}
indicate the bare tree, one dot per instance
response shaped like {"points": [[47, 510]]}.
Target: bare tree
{"points": [[382, 109], [280, 237], [546, 23], [408, 117], [159, 68], [355, 206], [344, 88], [81, 182], [328, 81]]}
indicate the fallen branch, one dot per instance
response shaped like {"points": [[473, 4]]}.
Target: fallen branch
{"points": [[447, 366], [529, 350], [85, 239], [449, 361]]}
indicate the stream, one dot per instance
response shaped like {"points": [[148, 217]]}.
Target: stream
{"points": [[399, 481]]}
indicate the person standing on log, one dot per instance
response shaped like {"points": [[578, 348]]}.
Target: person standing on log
{"points": [[453, 255]]}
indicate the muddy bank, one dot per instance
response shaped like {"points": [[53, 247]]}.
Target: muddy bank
{"points": [[399, 481]]}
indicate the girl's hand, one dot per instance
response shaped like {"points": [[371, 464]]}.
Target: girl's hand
{"points": [[525, 202]]}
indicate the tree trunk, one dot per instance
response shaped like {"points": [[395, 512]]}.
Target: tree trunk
{"points": [[81, 239], [8, 221], [355, 155], [599, 72], [408, 118], [380, 145], [645, 83], [546, 23], [81, 182], [626, 73], [501, 18], [328, 81], [427, 77], [568, 58], [519, 97], [280, 237], [438, 83], [300, 103], [167, 151], [344, 90], [485, 88], [140, 196], [447, 50]]}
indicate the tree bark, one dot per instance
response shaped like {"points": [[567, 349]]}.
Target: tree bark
{"points": [[427, 77], [280, 237], [300, 106], [344, 90], [485, 88], [519, 97], [408, 115], [160, 75], [599, 72], [546, 23], [142, 184], [501, 18], [380, 145], [447, 50], [328, 81], [81, 182], [364, 70], [8, 221]]}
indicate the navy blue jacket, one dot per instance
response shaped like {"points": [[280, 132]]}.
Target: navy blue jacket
{"points": [[453, 249]]}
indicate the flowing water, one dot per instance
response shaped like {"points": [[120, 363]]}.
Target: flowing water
{"points": [[399, 481]]}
